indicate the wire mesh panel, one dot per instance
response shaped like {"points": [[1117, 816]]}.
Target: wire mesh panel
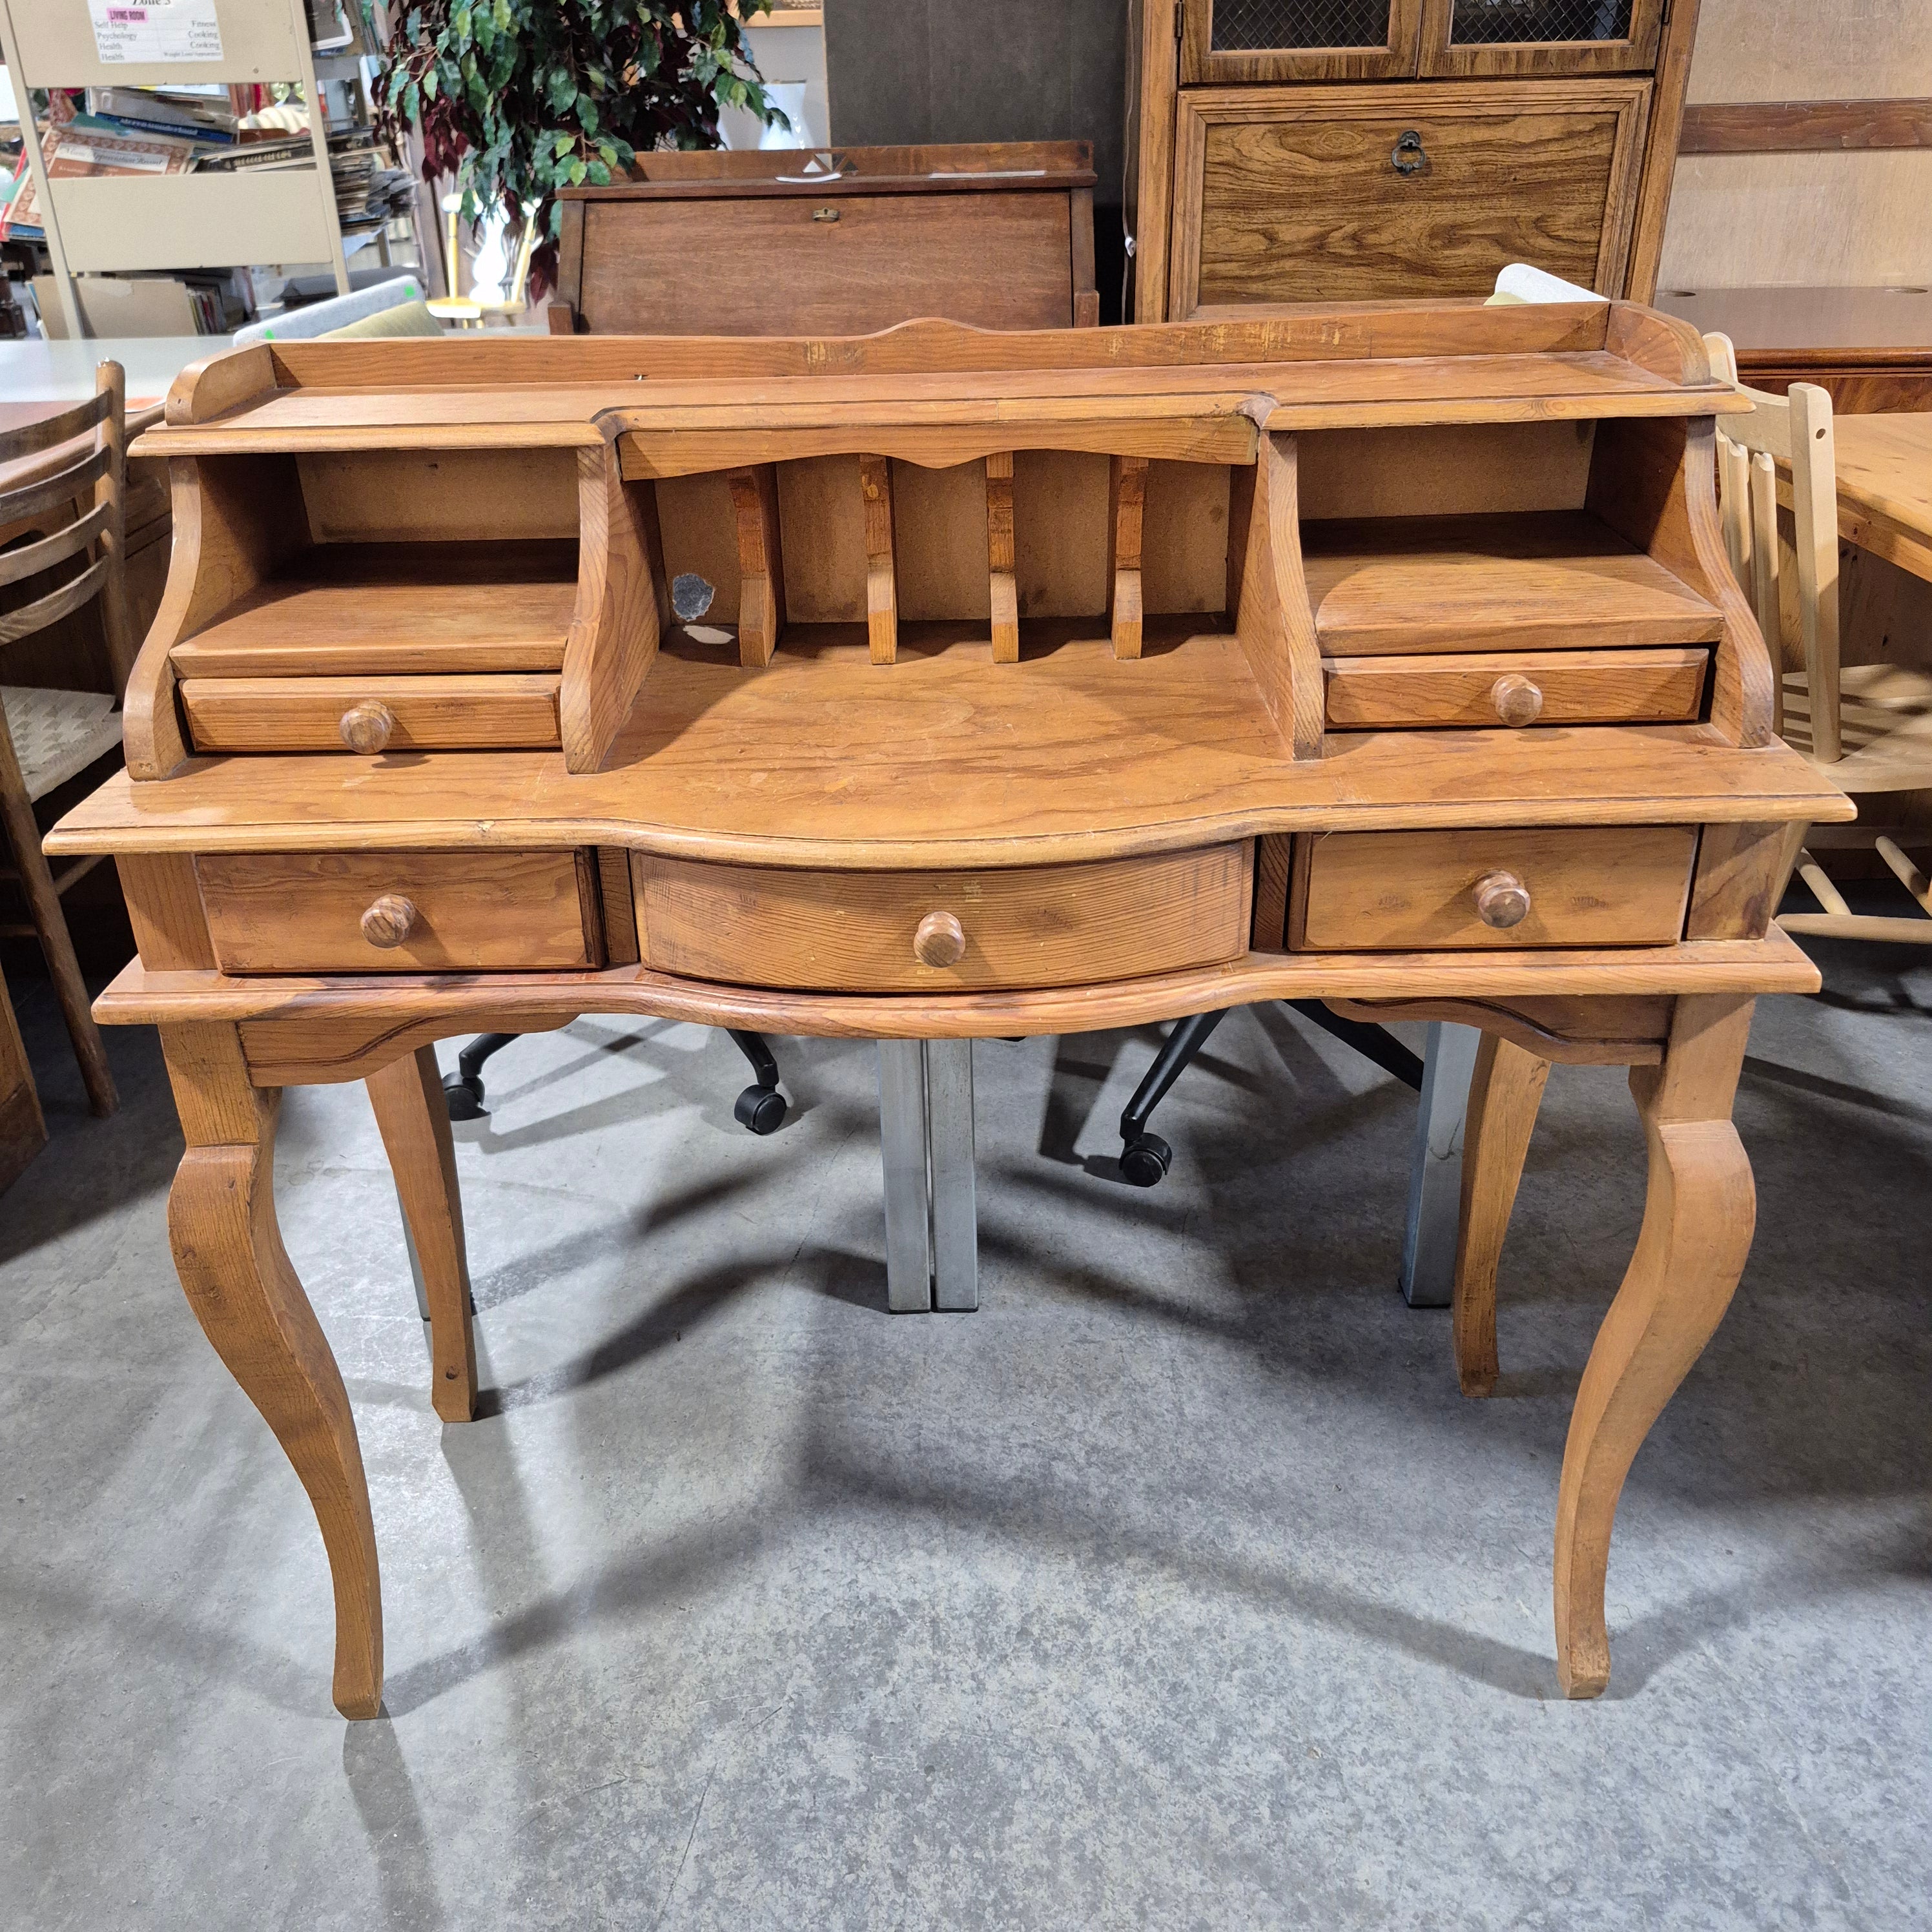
{"points": [[1241, 25], [1500, 21]]}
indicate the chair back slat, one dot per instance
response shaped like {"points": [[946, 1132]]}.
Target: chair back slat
{"points": [[1765, 571], [23, 506], [1796, 429], [31, 438], [30, 559], [56, 604]]}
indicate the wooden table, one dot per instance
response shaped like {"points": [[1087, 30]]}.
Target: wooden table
{"points": [[1870, 349], [1053, 682], [1885, 486]]}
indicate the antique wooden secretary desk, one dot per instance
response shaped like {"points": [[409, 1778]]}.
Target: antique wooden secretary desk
{"points": [[1057, 681]]}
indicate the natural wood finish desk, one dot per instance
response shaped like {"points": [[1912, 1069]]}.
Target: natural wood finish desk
{"points": [[1064, 681], [1885, 486]]}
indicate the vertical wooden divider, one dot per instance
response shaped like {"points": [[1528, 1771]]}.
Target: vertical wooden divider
{"points": [[1126, 500], [1273, 622], [755, 500], [1000, 557], [882, 609]]}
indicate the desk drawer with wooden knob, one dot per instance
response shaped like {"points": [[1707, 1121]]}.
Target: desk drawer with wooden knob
{"points": [[924, 931], [401, 912], [1496, 688], [515, 711], [1553, 886]]}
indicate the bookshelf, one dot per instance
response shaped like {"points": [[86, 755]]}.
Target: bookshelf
{"points": [[113, 224]]}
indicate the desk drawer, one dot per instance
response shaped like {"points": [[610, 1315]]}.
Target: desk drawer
{"points": [[513, 712], [1555, 886], [1041, 925], [1515, 688], [401, 912]]}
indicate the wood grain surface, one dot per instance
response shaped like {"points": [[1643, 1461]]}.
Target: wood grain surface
{"points": [[1417, 889], [1029, 926], [298, 912], [1580, 687], [1539, 582], [515, 709]]}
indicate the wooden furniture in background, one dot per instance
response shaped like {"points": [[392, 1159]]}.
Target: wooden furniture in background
{"points": [[1108, 824], [778, 241], [49, 735], [22, 1131], [1869, 726], [1311, 151], [1869, 349]]}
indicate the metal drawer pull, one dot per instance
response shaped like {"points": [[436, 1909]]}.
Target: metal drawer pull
{"points": [[1407, 157], [940, 939], [365, 727], [389, 921], [1518, 700], [1502, 900]]}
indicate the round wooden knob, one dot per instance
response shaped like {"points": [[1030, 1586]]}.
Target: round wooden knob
{"points": [[365, 727], [389, 921], [940, 939], [1502, 900], [1518, 700]]}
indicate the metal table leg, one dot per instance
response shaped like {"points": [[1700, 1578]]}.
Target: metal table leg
{"points": [[925, 1136], [1435, 1169]]}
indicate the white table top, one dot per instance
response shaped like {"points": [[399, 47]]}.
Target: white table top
{"points": [[61, 372]]}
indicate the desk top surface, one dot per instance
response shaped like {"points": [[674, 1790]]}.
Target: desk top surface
{"points": [[1885, 480]]}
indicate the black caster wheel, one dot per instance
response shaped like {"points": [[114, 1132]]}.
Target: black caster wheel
{"points": [[760, 1108], [1144, 1161], [463, 1096]]}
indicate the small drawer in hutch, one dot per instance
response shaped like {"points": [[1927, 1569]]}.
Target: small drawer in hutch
{"points": [[1538, 886], [515, 711], [401, 912], [1516, 689]]}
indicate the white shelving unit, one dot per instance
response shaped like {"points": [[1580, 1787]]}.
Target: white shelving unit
{"points": [[112, 223]]}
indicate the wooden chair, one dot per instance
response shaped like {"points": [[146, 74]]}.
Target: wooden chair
{"points": [[47, 737], [1869, 726]]}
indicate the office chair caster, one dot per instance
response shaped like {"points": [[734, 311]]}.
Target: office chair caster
{"points": [[1144, 1160], [760, 1108], [463, 1090]]}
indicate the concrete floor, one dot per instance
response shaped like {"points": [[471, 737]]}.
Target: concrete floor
{"points": [[1176, 1587]]}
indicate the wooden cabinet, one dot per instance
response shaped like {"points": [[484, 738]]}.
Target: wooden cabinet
{"points": [[1366, 194], [845, 242], [1475, 133]]}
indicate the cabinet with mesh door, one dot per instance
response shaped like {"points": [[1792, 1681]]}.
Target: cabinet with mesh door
{"points": [[1244, 194]]}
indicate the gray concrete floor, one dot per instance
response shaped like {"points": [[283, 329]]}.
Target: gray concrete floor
{"points": [[1176, 1587]]}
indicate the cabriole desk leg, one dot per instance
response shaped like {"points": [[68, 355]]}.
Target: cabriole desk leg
{"points": [[1698, 1217], [407, 1096], [228, 1250]]}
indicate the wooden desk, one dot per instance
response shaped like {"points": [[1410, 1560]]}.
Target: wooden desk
{"points": [[774, 242], [1870, 349], [1054, 681]]}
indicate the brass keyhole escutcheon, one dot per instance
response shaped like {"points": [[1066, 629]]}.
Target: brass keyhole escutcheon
{"points": [[389, 921], [1408, 157], [940, 939], [825, 214], [1502, 900]]}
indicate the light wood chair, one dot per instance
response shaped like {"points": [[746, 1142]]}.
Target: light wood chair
{"points": [[1869, 726], [78, 457]]}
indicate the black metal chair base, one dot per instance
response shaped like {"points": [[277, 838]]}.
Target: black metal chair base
{"points": [[761, 1107], [1145, 1157]]}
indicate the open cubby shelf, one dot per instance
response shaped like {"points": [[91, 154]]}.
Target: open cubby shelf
{"points": [[1544, 580], [350, 609]]}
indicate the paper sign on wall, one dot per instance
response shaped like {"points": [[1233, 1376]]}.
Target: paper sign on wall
{"points": [[155, 30]]}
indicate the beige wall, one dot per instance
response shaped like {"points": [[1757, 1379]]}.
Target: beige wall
{"points": [[1861, 220]]}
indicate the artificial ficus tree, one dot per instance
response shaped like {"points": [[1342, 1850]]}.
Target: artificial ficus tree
{"points": [[518, 98]]}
